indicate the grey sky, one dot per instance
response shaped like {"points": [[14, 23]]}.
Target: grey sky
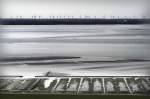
{"points": [[99, 8]]}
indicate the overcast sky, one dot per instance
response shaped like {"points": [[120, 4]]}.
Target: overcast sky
{"points": [[99, 8]]}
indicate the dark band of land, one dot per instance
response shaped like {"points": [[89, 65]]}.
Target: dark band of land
{"points": [[77, 21]]}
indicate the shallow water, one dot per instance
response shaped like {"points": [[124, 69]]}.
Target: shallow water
{"points": [[89, 42]]}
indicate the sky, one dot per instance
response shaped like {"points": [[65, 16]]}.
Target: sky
{"points": [[75, 8]]}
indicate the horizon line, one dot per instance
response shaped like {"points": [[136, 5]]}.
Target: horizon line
{"points": [[70, 21]]}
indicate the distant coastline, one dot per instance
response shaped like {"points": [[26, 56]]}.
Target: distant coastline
{"points": [[69, 21]]}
